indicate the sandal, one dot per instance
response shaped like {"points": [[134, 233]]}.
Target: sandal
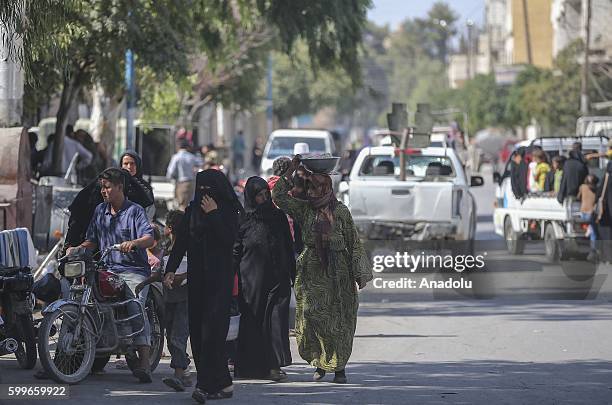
{"points": [[318, 374], [278, 376], [199, 396], [174, 383], [221, 394], [144, 376]]}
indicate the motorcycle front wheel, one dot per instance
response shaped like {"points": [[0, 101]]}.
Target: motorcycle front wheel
{"points": [[67, 360]]}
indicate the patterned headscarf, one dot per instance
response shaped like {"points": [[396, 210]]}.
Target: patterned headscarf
{"points": [[324, 205]]}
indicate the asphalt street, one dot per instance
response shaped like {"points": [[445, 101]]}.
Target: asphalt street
{"points": [[541, 336]]}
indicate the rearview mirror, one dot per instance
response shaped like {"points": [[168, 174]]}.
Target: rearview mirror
{"points": [[476, 181], [343, 187]]}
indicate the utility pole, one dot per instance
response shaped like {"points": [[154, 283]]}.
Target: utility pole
{"points": [[470, 49], [527, 33], [586, 29], [131, 99]]}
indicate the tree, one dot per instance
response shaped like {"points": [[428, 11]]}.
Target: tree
{"points": [[95, 41], [94, 35], [441, 28], [299, 88], [484, 101]]}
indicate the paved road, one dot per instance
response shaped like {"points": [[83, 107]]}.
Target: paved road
{"points": [[425, 352], [543, 338]]}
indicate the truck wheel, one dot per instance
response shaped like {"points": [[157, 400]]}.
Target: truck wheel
{"points": [[514, 241], [551, 245]]}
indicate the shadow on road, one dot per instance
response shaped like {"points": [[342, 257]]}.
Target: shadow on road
{"points": [[473, 382]]}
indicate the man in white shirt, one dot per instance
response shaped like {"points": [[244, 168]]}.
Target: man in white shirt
{"points": [[182, 169]]}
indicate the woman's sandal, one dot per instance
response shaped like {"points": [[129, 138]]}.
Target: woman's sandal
{"points": [[278, 376], [199, 396], [221, 394], [318, 374]]}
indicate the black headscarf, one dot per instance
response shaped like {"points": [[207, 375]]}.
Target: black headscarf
{"points": [[137, 179], [254, 186], [268, 224], [215, 184], [138, 160]]}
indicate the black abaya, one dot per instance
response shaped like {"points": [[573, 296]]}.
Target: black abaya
{"points": [[263, 256], [208, 240]]}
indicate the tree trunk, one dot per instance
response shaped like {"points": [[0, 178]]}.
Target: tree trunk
{"points": [[69, 92], [108, 136]]}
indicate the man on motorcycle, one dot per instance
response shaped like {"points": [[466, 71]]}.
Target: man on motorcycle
{"points": [[119, 221]]}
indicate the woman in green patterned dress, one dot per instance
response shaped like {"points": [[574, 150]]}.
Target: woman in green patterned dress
{"points": [[329, 271]]}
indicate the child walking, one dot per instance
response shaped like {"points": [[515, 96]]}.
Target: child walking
{"points": [[175, 298]]}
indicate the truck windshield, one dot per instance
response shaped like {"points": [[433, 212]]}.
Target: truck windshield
{"points": [[416, 166], [283, 145]]}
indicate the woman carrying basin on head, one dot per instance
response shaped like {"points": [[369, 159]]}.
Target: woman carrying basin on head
{"points": [[329, 271]]}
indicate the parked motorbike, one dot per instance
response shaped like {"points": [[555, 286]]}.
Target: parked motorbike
{"points": [[79, 334], [17, 335]]}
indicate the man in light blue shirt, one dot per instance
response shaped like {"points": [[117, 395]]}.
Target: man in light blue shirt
{"points": [[182, 169]]}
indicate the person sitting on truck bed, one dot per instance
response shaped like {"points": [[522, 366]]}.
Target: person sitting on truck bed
{"points": [[518, 173], [574, 173], [553, 177], [541, 169]]}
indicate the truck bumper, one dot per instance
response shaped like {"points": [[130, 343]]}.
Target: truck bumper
{"points": [[420, 231]]}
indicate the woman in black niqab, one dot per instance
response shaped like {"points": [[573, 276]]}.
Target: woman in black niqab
{"points": [[208, 239], [264, 259]]}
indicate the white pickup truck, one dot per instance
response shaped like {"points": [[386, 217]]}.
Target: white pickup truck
{"points": [[434, 202], [540, 216]]}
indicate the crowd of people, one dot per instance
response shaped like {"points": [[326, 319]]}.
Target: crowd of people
{"points": [[291, 233], [92, 157], [568, 178]]}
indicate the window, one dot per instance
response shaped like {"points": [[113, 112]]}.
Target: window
{"points": [[416, 166], [283, 146]]}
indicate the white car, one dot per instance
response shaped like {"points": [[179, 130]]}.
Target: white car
{"points": [[281, 143], [434, 202]]}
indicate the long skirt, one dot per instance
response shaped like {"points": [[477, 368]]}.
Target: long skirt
{"points": [[263, 344]]}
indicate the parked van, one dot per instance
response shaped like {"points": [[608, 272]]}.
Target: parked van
{"points": [[281, 143]]}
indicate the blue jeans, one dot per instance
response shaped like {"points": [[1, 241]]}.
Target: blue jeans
{"points": [[177, 333], [132, 280], [587, 217]]}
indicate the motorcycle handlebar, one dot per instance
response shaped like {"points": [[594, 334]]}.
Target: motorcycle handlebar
{"points": [[106, 251]]}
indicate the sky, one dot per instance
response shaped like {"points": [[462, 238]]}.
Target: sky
{"points": [[393, 12]]}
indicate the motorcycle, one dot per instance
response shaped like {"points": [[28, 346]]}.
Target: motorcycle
{"points": [[79, 334], [17, 335]]}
